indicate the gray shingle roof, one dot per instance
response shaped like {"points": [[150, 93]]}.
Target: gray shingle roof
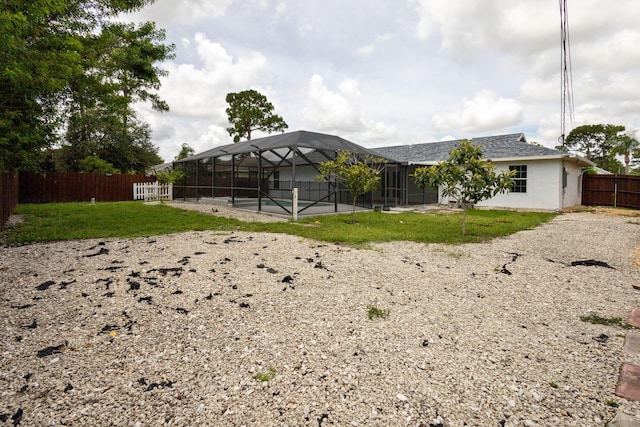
{"points": [[493, 147]]}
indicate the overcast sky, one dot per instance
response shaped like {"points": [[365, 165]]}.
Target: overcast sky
{"points": [[389, 72]]}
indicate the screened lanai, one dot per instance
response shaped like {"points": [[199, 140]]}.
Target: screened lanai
{"points": [[260, 174]]}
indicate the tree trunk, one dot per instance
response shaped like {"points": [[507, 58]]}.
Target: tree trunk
{"points": [[464, 219], [627, 160], [353, 212]]}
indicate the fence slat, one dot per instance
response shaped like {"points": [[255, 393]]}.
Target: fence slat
{"points": [[611, 190], [152, 191], [55, 187]]}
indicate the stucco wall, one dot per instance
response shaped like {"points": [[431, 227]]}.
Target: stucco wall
{"points": [[573, 191], [544, 187]]}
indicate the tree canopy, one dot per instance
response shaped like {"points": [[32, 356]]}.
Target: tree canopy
{"points": [[64, 65], [465, 176], [627, 146], [185, 151], [596, 142], [248, 111], [359, 176]]}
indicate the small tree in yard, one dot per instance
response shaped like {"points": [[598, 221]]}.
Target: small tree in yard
{"points": [[466, 177], [358, 176], [170, 176]]}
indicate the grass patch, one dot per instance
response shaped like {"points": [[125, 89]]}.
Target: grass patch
{"points": [[612, 403], [374, 312], [72, 221], [608, 321], [372, 227], [264, 377]]}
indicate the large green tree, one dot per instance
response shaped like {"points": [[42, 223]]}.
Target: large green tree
{"points": [[121, 70], [250, 110], [596, 142], [465, 176], [50, 59]]}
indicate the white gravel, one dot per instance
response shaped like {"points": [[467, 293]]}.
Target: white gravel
{"points": [[181, 329]]}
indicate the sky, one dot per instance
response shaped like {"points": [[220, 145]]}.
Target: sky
{"points": [[391, 72]]}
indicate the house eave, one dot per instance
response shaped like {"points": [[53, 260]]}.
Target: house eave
{"points": [[580, 160]]}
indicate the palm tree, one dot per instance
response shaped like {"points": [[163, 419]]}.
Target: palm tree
{"points": [[624, 146]]}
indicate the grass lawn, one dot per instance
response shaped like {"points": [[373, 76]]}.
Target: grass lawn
{"points": [[72, 221]]}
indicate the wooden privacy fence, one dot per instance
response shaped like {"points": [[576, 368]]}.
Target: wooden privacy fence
{"points": [[152, 191], [621, 191], [54, 187], [9, 185]]}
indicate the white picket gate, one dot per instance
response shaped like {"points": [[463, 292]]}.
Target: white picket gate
{"points": [[152, 191]]}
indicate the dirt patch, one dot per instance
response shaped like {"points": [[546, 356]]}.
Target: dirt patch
{"points": [[605, 210]]}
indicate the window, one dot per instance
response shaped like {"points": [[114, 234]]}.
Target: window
{"points": [[520, 179], [276, 179]]}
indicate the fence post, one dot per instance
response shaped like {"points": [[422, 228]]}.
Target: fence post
{"points": [[294, 204]]}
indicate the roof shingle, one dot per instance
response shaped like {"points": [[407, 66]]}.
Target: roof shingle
{"points": [[493, 147]]}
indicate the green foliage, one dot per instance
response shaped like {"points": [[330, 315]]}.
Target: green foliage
{"points": [[170, 176], [93, 164], [553, 384], [264, 377], [465, 176], [608, 321], [596, 142], [374, 312], [185, 151], [250, 110], [59, 72], [626, 146], [358, 176], [70, 221]]}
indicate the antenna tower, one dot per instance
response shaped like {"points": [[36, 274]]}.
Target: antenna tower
{"points": [[566, 86]]}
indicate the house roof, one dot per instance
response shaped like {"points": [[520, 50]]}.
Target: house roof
{"points": [[299, 139], [500, 147]]}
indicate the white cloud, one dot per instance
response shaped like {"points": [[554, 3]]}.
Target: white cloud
{"points": [[196, 96], [281, 8], [200, 91], [370, 48], [166, 12], [467, 28], [484, 112], [341, 112], [327, 109]]}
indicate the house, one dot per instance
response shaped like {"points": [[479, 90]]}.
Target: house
{"points": [[546, 178], [262, 172]]}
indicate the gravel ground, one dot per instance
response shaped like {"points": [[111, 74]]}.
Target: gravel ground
{"points": [[206, 328]]}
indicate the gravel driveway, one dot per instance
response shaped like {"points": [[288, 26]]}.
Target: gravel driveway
{"points": [[207, 328]]}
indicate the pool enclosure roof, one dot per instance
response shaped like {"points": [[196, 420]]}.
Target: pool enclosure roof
{"points": [[301, 140]]}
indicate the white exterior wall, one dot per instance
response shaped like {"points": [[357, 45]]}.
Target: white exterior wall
{"points": [[544, 187], [573, 191]]}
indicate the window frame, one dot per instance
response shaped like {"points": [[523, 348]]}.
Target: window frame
{"points": [[520, 179]]}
